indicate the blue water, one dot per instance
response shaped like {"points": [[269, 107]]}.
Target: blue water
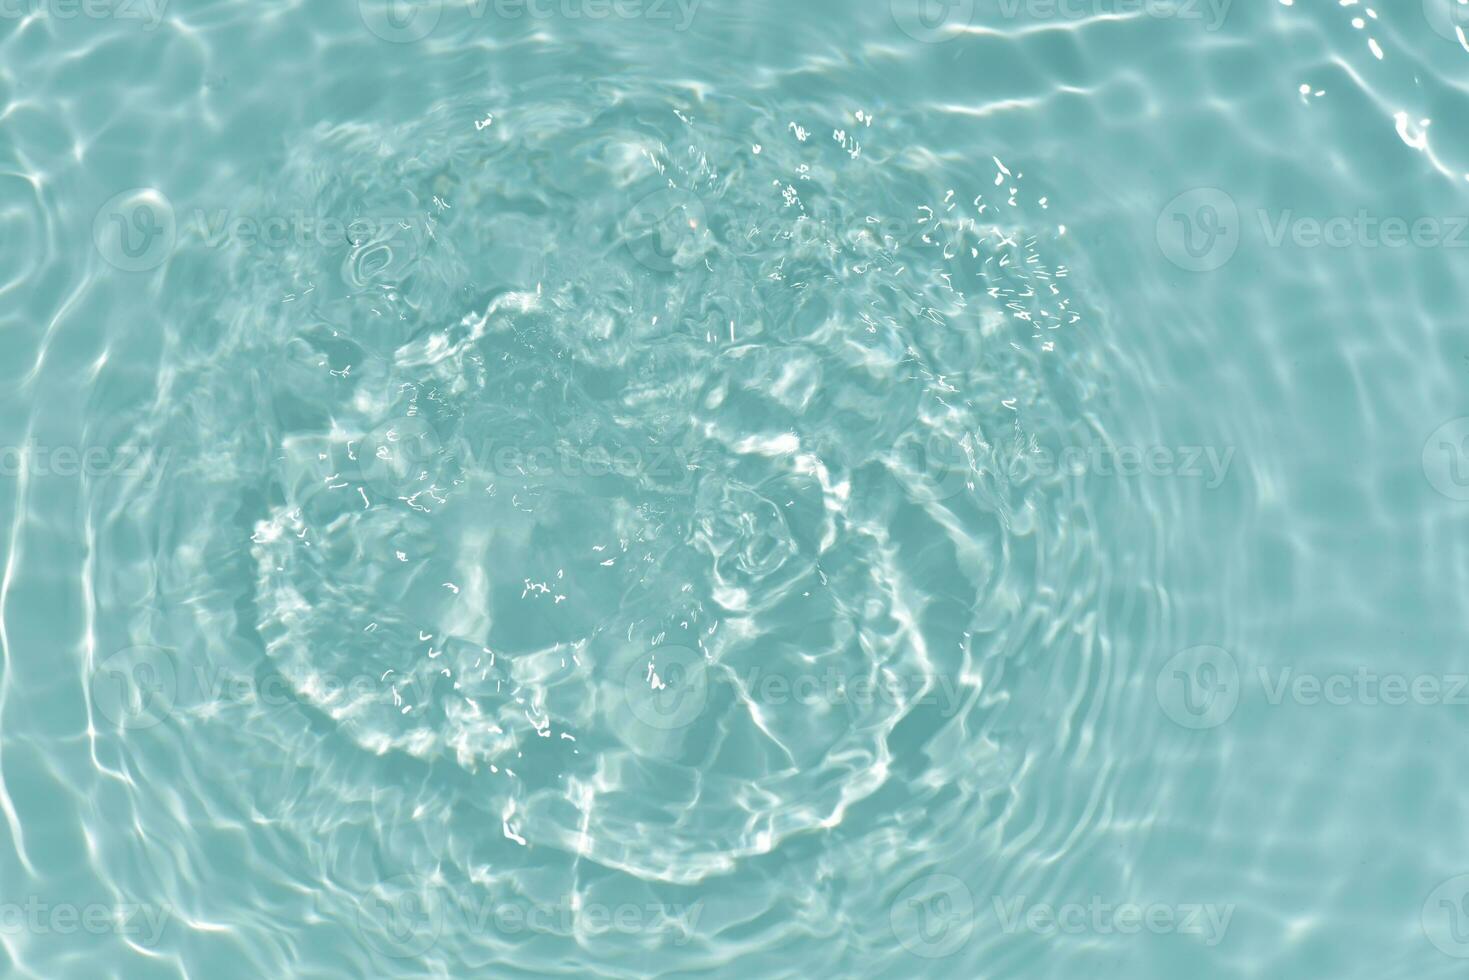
{"points": [[694, 488]]}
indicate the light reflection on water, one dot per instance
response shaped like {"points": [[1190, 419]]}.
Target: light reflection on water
{"points": [[857, 494]]}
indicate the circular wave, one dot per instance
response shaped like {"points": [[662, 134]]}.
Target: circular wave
{"points": [[643, 474]]}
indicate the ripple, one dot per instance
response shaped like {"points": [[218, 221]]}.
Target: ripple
{"points": [[636, 478]]}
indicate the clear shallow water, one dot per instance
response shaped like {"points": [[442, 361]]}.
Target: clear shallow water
{"points": [[765, 492]]}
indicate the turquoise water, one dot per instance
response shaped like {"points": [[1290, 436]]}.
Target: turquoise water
{"points": [[674, 488]]}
